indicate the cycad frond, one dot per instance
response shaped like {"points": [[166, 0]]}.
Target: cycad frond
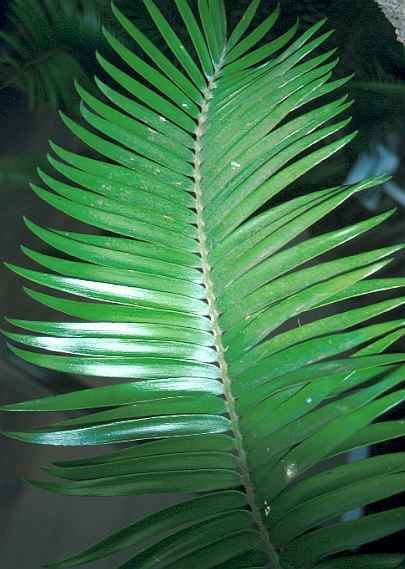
{"points": [[187, 297]]}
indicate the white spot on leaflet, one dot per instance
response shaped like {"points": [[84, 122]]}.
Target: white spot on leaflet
{"points": [[162, 119], [267, 508], [309, 400], [291, 470], [184, 105], [235, 165]]}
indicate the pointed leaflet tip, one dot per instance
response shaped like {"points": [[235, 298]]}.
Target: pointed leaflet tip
{"points": [[107, 34], [66, 120], [39, 484], [9, 408], [115, 10], [31, 225], [83, 109], [13, 349], [243, 24], [13, 321], [78, 87], [387, 214], [12, 434], [10, 266], [27, 222], [99, 57]]}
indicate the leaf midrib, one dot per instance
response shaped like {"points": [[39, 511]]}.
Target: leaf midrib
{"points": [[273, 562]]}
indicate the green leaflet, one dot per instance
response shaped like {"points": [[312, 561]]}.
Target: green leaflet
{"points": [[310, 450], [109, 253], [377, 433], [174, 550], [119, 293], [338, 502], [156, 55], [209, 443], [335, 539], [165, 463], [115, 330], [340, 477], [126, 367], [125, 347], [313, 419], [177, 48], [128, 430], [160, 525], [113, 275], [212, 317], [243, 23], [122, 394], [196, 480], [156, 79], [83, 172]]}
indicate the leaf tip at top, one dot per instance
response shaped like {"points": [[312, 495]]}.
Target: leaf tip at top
{"points": [[13, 348], [328, 34], [348, 102], [106, 33], [67, 120], [32, 481], [24, 249], [99, 57], [335, 61], [387, 214], [10, 266], [400, 247], [82, 107], [382, 179], [53, 145], [348, 138], [30, 224], [11, 435], [77, 85]]}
